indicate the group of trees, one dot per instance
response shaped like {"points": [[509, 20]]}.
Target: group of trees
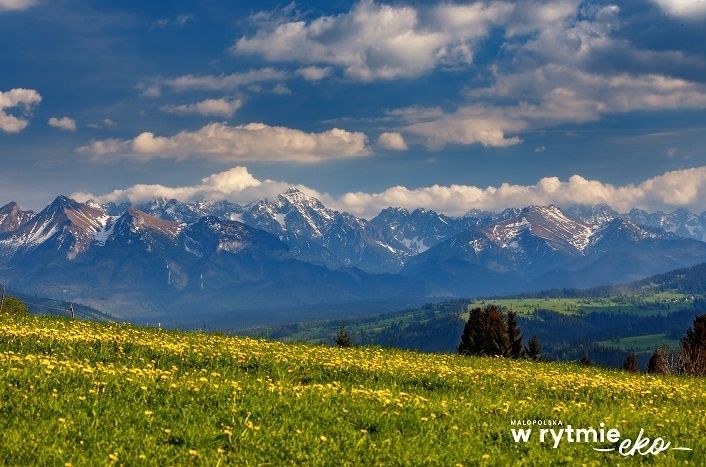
{"points": [[691, 358], [490, 332]]}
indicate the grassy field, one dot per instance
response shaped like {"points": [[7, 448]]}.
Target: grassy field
{"points": [[647, 342], [372, 328], [81, 393], [639, 304]]}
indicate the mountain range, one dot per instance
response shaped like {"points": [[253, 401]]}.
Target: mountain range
{"points": [[216, 260]]}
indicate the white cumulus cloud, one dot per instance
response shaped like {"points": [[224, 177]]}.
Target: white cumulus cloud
{"points": [[207, 107], [106, 123], [392, 140], [236, 184], [25, 99], [375, 41], [548, 83], [683, 8], [63, 123], [680, 188], [250, 142]]}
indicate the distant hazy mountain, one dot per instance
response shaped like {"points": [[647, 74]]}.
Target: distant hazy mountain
{"points": [[172, 260], [544, 248], [137, 265], [681, 222], [690, 280]]}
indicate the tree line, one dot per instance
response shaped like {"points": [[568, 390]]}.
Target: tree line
{"points": [[490, 332]]}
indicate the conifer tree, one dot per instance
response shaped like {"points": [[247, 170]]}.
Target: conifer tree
{"points": [[659, 361], [514, 334], [692, 354], [495, 338], [342, 339], [472, 331], [533, 349], [631, 364]]}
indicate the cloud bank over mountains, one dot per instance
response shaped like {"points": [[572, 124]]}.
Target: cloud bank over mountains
{"points": [[680, 188]]}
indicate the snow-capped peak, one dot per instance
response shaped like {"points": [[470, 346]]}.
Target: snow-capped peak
{"points": [[546, 222]]}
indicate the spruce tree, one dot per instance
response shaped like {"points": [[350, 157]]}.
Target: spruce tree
{"points": [[631, 364], [342, 339], [495, 339], [472, 332], [692, 354], [485, 333], [514, 334], [533, 349], [659, 361]]}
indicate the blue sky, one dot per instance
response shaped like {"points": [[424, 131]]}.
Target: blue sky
{"points": [[449, 106]]}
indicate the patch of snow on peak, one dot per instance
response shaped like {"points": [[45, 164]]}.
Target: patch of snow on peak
{"points": [[415, 244]]}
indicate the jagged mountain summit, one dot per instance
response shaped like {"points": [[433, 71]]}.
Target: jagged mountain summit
{"points": [[416, 231], [138, 265], [594, 214], [681, 222], [65, 226], [313, 232], [543, 248], [547, 223], [12, 217], [210, 258]]}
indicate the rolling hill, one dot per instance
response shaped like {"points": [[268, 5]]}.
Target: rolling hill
{"points": [[84, 393]]}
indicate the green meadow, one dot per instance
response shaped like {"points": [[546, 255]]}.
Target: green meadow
{"points": [[85, 393]]}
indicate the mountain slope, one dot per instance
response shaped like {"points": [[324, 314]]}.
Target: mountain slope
{"points": [[178, 271], [65, 229], [319, 234], [12, 217], [690, 280], [543, 248], [212, 259]]}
